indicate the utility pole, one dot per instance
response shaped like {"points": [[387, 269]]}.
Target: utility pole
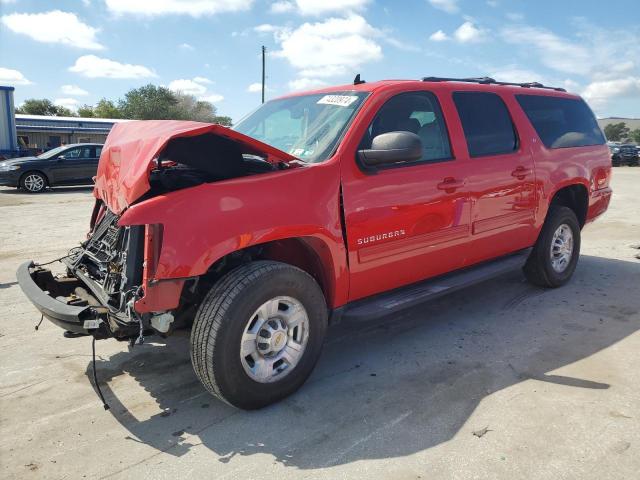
{"points": [[264, 52]]}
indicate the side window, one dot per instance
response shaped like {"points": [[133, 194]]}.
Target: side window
{"points": [[487, 125], [78, 153], [98, 152], [561, 122], [72, 153], [416, 112]]}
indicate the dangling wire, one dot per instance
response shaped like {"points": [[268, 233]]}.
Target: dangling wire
{"points": [[40, 322], [95, 376]]}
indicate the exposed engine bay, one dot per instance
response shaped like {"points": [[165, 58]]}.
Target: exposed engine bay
{"points": [[189, 161]]}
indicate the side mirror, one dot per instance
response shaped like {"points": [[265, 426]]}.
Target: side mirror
{"points": [[61, 157], [392, 147]]}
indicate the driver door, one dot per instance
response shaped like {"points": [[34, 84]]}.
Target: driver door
{"points": [[72, 165], [408, 221]]}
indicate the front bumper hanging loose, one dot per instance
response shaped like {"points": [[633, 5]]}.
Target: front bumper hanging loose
{"points": [[46, 292]]}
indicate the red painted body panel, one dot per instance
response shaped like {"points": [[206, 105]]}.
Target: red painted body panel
{"points": [[400, 228]]}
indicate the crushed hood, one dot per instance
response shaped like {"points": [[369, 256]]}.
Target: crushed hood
{"points": [[131, 147]]}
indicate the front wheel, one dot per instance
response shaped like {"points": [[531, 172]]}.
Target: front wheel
{"points": [[33, 182], [555, 254], [258, 333]]}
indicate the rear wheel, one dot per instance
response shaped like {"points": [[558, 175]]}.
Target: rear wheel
{"points": [[258, 333], [555, 254], [33, 182]]}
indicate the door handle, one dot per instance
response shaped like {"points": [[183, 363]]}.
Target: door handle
{"points": [[450, 184], [521, 172]]}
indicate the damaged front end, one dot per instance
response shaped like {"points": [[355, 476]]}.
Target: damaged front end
{"points": [[109, 286], [103, 279]]}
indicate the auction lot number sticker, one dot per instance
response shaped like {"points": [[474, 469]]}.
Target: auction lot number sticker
{"points": [[340, 100]]}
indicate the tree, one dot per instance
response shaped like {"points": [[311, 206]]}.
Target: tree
{"points": [[190, 108], [635, 135], [616, 132], [43, 106], [149, 103], [85, 111], [106, 109]]}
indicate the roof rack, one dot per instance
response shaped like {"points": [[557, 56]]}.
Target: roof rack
{"points": [[489, 80]]}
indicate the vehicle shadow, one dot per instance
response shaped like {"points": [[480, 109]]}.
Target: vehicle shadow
{"points": [[398, 386]]}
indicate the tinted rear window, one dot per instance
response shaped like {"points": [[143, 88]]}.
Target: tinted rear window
{"points": [[486, 123], [561, 122]]}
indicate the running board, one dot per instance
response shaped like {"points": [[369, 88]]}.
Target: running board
{"points": [[388, 303]]}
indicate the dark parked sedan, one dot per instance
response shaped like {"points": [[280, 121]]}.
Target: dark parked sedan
{"points": [[67, 165], [624, 155]]}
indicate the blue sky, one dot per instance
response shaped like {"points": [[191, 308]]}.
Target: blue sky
{"points": [[78, 51]]}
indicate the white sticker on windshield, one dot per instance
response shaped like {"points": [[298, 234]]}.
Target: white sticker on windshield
{"points": [[340, 100]]}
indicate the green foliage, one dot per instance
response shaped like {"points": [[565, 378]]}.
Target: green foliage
{"points": [[43, 106], [149, 102], [635, 135], [616, 132], [107, 109], [85, 111]]}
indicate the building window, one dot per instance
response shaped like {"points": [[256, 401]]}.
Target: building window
{"points": [[23, 141]]}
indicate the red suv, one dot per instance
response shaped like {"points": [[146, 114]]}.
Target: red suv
{"points": [[348, 202]]}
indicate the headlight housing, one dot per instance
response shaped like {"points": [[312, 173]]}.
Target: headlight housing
{"points": [[7, 168]]}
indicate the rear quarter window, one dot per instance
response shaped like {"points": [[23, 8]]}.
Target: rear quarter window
{"points": [[561, 122]]}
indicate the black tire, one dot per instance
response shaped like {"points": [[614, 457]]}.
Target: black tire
{"points": [[27, 182], [225, 313], [539, 269]]}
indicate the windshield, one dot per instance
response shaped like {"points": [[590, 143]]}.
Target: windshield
{"points": [[53, 152], [306, 126]]}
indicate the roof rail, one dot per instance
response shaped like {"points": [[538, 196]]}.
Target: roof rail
{"points": [[489, 80]]}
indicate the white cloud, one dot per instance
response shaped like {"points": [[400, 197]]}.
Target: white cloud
{"points": [[281, 7], [188, 87], [319, 7], [73, 90], [11, 77], [400, 45], [554, 51], [213, 98], [335, 46], [195, 8], [469, 33], [54, 27], [492, 3], [186, 46], [255, 87], [449, 6], [95, 67], [197, 86], [438, 36], [600, 92], [306, 83], [70, 103]]}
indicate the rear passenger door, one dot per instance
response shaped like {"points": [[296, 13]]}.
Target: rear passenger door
{"points": [[406, 221], [500, 177], [92, 164]]}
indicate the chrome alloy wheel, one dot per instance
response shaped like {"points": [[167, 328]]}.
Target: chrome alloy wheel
{"points": [[274, 339], [561, 248], [34, 182]]}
